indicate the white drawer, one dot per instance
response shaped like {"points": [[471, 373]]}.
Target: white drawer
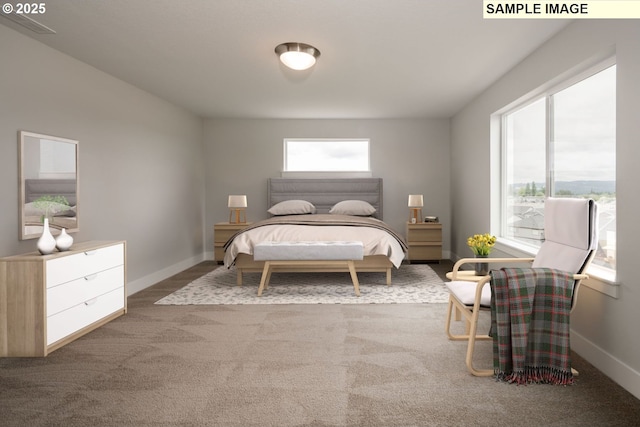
{"points": [[67, 268], [72, 293], [75, 318]]}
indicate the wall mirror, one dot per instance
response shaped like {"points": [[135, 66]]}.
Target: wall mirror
{"points": [[48, 169]]}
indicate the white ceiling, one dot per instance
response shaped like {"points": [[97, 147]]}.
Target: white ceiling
{"points": [[380, 58]]}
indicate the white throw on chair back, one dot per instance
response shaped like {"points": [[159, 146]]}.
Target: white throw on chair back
{"points": [[570, 231]]}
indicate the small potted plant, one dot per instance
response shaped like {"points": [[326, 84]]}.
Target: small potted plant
{"points": [[50, 205], [481, 245]]}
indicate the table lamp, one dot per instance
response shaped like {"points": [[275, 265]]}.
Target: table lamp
{"points": [[237, 204], [415, 208]]}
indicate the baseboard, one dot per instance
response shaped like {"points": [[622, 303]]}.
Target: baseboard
{"points": [[152, 279], [623, 374]]}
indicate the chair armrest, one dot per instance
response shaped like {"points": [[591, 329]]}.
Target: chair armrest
{"points": [[462, 261]]}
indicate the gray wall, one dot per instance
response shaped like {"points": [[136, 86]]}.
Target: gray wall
{"points": [[141, 173], [603, 328], [411, 155]]}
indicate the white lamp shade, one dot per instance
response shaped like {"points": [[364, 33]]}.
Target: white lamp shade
{"points": [[297, 60], [415, 201], [237, 201]]}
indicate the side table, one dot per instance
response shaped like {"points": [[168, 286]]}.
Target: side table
{"points": [[222, 231], [425, 241]]}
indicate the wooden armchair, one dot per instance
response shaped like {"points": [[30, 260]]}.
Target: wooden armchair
{"points": [[570, 244]]}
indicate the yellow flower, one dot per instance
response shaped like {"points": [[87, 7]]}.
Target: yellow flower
{"points": [[481, 244]]}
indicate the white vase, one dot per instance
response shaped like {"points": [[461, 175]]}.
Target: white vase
{"points": [[64, 241], [46, 242]]}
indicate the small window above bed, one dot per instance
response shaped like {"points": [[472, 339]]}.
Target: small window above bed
{"points": [[306, 157]]}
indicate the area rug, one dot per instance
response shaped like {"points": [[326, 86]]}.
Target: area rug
{"points": [[416, 283]]}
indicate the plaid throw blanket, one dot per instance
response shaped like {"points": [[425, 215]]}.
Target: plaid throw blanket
{"points": [[530, 325]]}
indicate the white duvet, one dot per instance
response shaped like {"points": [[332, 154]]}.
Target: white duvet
{"points": [[375, 241]]}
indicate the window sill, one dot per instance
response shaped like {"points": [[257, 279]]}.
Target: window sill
{"points": [[603, 281], [600, 279], [320, 174]]}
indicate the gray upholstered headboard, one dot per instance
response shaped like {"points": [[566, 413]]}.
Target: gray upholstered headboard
{"points": [[324, 193]]}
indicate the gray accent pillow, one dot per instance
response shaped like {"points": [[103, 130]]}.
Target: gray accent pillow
{"points": [[353, 207], [292, 207]]}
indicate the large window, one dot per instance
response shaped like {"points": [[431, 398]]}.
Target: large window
{"points": [[563, 144], [326, 155]]}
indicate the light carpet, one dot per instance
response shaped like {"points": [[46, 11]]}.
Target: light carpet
{"points": [[410, 284]]}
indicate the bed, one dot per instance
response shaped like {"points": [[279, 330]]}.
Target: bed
{"points": [[384, 249], [61, 215]]}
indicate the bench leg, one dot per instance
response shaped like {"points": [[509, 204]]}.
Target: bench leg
{"points": [[268, 280], [388, 276], [268, 269], [264, 280], [354, 277]]}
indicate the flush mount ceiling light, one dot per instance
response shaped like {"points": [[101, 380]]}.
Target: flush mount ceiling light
{"points": [[297, 56]]}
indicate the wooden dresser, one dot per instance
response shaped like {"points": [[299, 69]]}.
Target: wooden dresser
{"points": [[47, 301]]}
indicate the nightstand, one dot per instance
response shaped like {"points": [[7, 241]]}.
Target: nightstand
{"points": [[222, 231], [425, 241]]}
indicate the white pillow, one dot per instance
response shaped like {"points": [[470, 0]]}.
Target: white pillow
{"points": [[292, 207], [353, 207]]}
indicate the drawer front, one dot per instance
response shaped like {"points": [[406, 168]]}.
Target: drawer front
{"points": [[222, 235], [67, 268], [424, 235], [77, 317], [218, 254], [424, 253], [78, 291]]}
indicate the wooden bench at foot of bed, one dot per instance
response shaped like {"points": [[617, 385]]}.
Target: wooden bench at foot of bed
{"points": [[310, 257], [369, 264], [283, 265], [323, 254]]}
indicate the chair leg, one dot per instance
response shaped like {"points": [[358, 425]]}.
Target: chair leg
{"points": [[447, 325], [453, 309], [471, 347], [471, 330]]}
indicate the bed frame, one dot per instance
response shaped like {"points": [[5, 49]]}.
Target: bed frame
{"points": [[36, 188], [323, 193]]}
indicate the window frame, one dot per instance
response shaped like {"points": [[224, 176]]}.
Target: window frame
{"points": [[605, 277], [325, 173]]}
